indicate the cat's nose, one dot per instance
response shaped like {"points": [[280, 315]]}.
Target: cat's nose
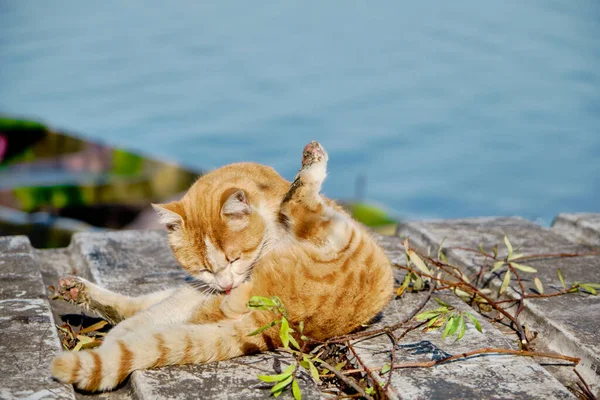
{"points": [[226, 288]]}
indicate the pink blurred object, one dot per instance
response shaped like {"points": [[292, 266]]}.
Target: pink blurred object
{"points": [[3, 146]]}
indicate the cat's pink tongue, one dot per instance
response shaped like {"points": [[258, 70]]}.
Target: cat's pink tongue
{"points": [[228, 291]]}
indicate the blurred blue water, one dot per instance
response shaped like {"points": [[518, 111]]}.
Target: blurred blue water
{"points": [[449, 109]]}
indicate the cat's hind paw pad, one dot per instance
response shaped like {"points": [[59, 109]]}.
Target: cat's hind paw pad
{"points": [[73, 290], [313, 153]]}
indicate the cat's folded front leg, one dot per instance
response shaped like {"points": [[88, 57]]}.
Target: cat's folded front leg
{"points": [[182, 306], [113, 307]]}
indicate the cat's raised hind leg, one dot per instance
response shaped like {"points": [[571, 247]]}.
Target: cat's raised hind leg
{"points": [[307, 184], [310, 216], [113, 307]]}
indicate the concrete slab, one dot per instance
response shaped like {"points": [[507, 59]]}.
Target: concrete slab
{"points": [[28, 339], [137, 262], [132, 262], [584, 227], [20, 276], [567, 324]]}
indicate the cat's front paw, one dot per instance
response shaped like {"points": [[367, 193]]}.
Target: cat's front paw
{"points": [[73, 290], [313, 153]]}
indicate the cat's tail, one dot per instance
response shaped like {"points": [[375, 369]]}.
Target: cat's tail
{"points": [[106, 367]]}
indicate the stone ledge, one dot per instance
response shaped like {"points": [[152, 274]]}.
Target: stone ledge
{"points": [[566, 324], [136, 262], [28, 338], [583, 227]]}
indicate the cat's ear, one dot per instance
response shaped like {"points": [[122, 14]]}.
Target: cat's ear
{"points": [[235, 208], [170, 214]]}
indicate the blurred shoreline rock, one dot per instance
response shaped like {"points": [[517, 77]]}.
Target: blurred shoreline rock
{"points": [[53, 184], [58, 178]]}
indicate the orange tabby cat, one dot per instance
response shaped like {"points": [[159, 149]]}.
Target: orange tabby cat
{"points": [[240, 231]]}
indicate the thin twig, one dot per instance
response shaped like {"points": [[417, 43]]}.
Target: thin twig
{"points": [[376, 385], [487, 350], [344, 379], [586, 388], [392, 361], [539, 296], [530, 257]]}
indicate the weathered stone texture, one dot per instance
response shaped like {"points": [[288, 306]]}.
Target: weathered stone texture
{"points": [[584, 227], [28, 338], [486, 376], [137, 262], [567, 324]]}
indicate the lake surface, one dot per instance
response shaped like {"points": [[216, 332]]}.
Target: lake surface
{"points": [[448, 109]]}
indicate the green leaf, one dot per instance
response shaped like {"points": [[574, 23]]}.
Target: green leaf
{"points": [[276, 378], [284, 332], [296, 390], [440, 253], [405, 284], [370, 391], [497, 266], [455, 325], [451, 326], [293, 342], [461, 293], [433, 321], [442, 303], [523, 268], [593, 285], [385, 368], [261, 303], [481, 250], [462, 327], [443, 258], [418, 284], [314, 372], [505, 282], [588, 288], [508, 246], [474, 321], [424, 316], [281, 385], [418, 262], [271, 378], [495, 250], [464, 277], [538, 285], [561, 278], [264, 328], [301, 326]]}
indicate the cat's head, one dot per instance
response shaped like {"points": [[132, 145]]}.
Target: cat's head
{"points": [[216, 235]]}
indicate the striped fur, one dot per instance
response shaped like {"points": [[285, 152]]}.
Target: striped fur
{"points": [[241, 231]]}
